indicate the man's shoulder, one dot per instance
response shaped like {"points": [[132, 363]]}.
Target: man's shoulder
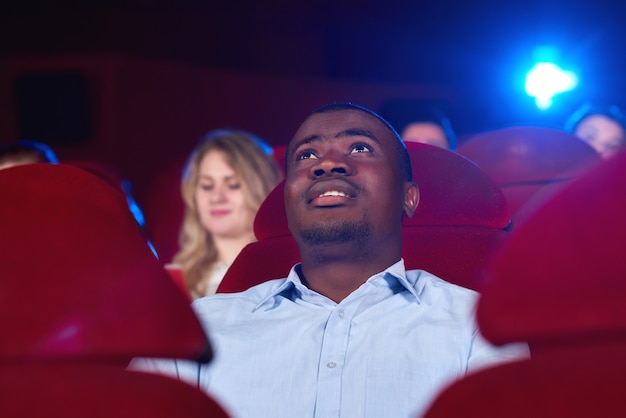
{"points": [[250, 297], [429, 283]]}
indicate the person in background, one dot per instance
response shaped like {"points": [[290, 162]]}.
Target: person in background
{"points": [[601, 126], [350, 332], [420, 123], [26, 151], [226, 178]]}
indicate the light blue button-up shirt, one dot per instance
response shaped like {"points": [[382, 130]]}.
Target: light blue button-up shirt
{"points": [[285, 351]]}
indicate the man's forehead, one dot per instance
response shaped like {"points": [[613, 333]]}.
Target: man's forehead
{"points": [[339, 120]]}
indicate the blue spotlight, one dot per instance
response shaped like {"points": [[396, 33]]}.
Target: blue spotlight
{"points": [[547, 79]]}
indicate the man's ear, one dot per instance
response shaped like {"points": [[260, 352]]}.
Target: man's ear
{"points": [[411, 198]]}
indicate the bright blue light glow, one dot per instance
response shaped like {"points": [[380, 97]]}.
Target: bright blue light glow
{"points": [[547, 79]]}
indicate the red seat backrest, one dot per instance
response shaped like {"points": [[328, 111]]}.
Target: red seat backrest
{"points": [[78, 279], [558, 284], [164, 210], [562, 273], [461, 216], [576, 381]]}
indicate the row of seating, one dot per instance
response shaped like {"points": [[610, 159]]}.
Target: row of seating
{"points": [[510, 229], [468, 202], [461, 216], [82, 293]]}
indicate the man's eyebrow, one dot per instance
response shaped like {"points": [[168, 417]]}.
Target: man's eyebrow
{"points": [[343, 134], [357, 132], [293, 145], [308, 140]]}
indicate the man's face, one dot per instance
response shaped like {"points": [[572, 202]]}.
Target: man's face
{"points": [[343, 180]]}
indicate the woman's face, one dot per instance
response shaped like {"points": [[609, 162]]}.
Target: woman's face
{"points": [[220, 199], [605, 135]]}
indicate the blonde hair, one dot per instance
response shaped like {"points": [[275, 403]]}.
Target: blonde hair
{"points": [[252, 161]]}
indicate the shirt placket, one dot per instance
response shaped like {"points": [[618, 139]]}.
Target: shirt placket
{"points": [[332, 362]]}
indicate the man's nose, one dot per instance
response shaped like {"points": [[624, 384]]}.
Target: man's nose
{"points": [[332, 163]]}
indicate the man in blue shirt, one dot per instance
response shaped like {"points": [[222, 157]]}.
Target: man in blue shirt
{"points": [[349, 333]]}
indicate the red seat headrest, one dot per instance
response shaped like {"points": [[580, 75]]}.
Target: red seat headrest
{"points": [[454, 191], [78, 278], [271, 219], [460, 217]]}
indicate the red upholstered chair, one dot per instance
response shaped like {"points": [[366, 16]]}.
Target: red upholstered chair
{"points": [[529, 163], [81, 293], [588, 382], [559, 284], [461, 216], [164, 210], [272, 255]]}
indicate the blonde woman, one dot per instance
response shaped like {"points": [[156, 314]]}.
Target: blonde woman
{"points": [[226, 178]]}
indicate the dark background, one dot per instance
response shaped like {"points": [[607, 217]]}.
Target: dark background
{"points": [[480, 49], [156, 74]]}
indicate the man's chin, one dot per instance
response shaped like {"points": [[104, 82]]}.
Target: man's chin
{"points": [[335, 232]]}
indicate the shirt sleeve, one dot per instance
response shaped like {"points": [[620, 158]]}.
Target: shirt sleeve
{"points": [[184, 370], [484, 354]]}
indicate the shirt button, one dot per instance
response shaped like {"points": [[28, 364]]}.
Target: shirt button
{"points": [[341, 313], [331, 365]]}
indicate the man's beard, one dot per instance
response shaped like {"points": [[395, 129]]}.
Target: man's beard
{"points": [[336, 232]]}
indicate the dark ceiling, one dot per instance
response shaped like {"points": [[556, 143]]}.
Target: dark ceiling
{"points": [[479, 49]]}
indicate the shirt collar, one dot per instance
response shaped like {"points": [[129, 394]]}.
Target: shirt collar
{"points": [[397, 270], [410, 281]]}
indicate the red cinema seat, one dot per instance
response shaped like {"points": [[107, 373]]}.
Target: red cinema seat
{"points": [[529, 163], [78, 390], [77, 270], [577, 383], [271, 256], [164, 210], [81, 294], [558, 284], [461, 216]]}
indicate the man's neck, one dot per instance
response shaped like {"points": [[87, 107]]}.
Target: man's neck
{"points": [[336, 277]]}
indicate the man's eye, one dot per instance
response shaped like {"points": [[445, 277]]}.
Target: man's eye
{"points": [[306, 155], [358, 148]]}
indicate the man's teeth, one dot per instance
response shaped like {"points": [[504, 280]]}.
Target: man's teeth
{"points": [[333, 193]]}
